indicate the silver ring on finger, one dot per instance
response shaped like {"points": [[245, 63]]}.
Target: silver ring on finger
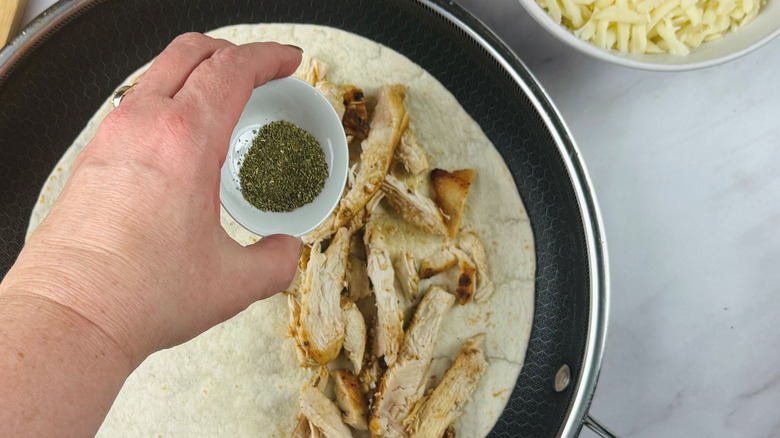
{"points": [[121, 93]]}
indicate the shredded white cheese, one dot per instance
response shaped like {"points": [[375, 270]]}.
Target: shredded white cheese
{"points": [[652, 26]]}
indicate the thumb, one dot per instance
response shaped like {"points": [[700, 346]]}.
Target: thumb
{"points": [[268, 266]]}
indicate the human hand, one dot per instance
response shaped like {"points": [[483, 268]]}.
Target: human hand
{"points": [[134, 244]]}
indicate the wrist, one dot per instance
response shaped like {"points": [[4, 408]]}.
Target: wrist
{"points": [[31, 308], [68, 284], [60, 372]]}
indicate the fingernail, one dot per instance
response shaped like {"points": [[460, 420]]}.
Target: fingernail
{"points": [[294, 47]]}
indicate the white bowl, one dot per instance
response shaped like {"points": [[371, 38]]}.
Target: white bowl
{"points": [[297, 102], [733, 44]]}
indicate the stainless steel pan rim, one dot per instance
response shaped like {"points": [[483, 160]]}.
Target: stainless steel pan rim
{"points": [[36, 30], [596, 244]]}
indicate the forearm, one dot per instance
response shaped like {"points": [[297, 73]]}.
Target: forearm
{"points": [[132, 257], [59, 373]]}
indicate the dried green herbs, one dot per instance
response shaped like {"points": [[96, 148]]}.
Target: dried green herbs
{"points": [[284, 169]]}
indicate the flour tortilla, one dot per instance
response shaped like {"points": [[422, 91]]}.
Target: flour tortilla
{"points": [[241, 378]]}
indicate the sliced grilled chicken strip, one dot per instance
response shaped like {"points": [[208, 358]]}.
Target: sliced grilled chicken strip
{"points": [[404, 381], [363, 186], [357, 279], [431, 416], [350, 399], [293, 326], [387, 124], [333, 93], [312, 70], [369, 376], [406, 271], [449, 432], [321, 331], [322, 413], [303, 261], [438, 262], [372, 370], [355, 119], [320, 378], [451, 189], [301, 429], [472, 246], [315, 431], [389, 328], [354, 333], [359, 220], [464, 290], [372, 204], [416, 209], [323, 232], [327, 228], [411, 154]]}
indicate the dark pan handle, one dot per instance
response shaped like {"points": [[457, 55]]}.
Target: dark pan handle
{"points": [[598, 428]]}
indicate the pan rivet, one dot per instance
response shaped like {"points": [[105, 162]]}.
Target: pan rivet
{"points": [[562, 378]]}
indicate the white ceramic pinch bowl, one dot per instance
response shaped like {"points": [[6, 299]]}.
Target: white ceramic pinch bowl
{"points": [[299, 103]]}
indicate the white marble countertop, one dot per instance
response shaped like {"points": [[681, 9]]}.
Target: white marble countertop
{"points": [[686, 167]]}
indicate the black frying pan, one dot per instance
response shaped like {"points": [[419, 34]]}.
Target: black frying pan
{"points": [[66, 63]]}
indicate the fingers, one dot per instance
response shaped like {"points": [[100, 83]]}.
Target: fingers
{"points": [[173, 66], [221, 85], [264, 269]]}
